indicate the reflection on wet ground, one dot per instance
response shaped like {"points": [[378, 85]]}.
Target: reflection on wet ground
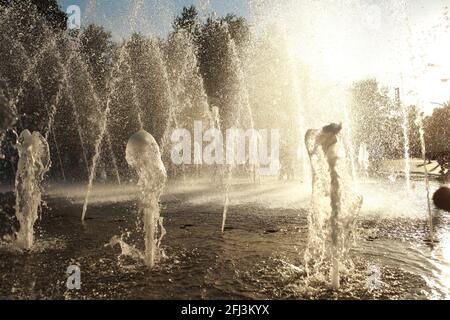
{"points": [[259, 256]]}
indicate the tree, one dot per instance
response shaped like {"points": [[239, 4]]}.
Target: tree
{"points": [[98, 49], [30, 33], [376, 121], [188, 21], [415, 148], [186, 82], [238, 29], [218, 42], [48, 9], [219, 65], [437, 131], [139, 93]]}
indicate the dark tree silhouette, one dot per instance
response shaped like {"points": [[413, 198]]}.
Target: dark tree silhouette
{"points": [[57, 81], [437, 131], [238, 28], [49, 9], [189, 21], [98, 49], [415, 149]]}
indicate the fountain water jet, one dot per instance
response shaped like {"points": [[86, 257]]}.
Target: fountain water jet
{"points": [[187, 88], [427, 178], [363, 160], [34, 162], [113, 86], [405, 128], [134, 92], [349, 140], [241, 116], [144, 156], [227, 185], [58, 153], [334, 206]]}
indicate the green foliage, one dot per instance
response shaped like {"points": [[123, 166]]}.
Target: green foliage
{"points": [[437, 131], [186, 81], [218, 42], [98, 49], [238, 29], [202, 64], [213, 53], [188, 21], [48, 9], [139, 93], [377, 121]]}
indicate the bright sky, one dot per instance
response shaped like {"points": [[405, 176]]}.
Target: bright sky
{"points": [[342, 40], [394, 41]]}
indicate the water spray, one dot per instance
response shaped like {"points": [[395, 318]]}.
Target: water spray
{"points": [[333, 208], [144, 156], [34, 162]]}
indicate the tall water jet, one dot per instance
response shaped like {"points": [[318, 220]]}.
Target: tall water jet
{"points": [[76, 75], [363, 160], [34, 162], [240, 116], [427, 178], [349, 142], [278, 86], [225, 84], [136, 8], [416, 69], [144, 156], [187, 89], [405, 127], [58, 153], [139, 82], [23, 70], [227, 177], [226, 202], [128, 71], [103, 126], [79, 130], [216, 125], [334, 206]]}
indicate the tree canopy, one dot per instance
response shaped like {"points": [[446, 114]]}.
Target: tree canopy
{"points": [[49, 9]]}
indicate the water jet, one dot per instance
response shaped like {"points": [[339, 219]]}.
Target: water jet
{"points": [[144, 156], [34, 162], [334, 206]]}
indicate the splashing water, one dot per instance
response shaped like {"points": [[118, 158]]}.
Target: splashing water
{"points": [[137, 6], [334, 206], [134, 90], [34, 162], [144, 156], [241, 117], [349, 143], [363, 160], [405, 127], [228, 175], [427, 178], [8, 115], [103, 132]]}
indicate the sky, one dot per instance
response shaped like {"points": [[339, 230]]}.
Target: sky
{"points": [[154, 17], [403, 43]]}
